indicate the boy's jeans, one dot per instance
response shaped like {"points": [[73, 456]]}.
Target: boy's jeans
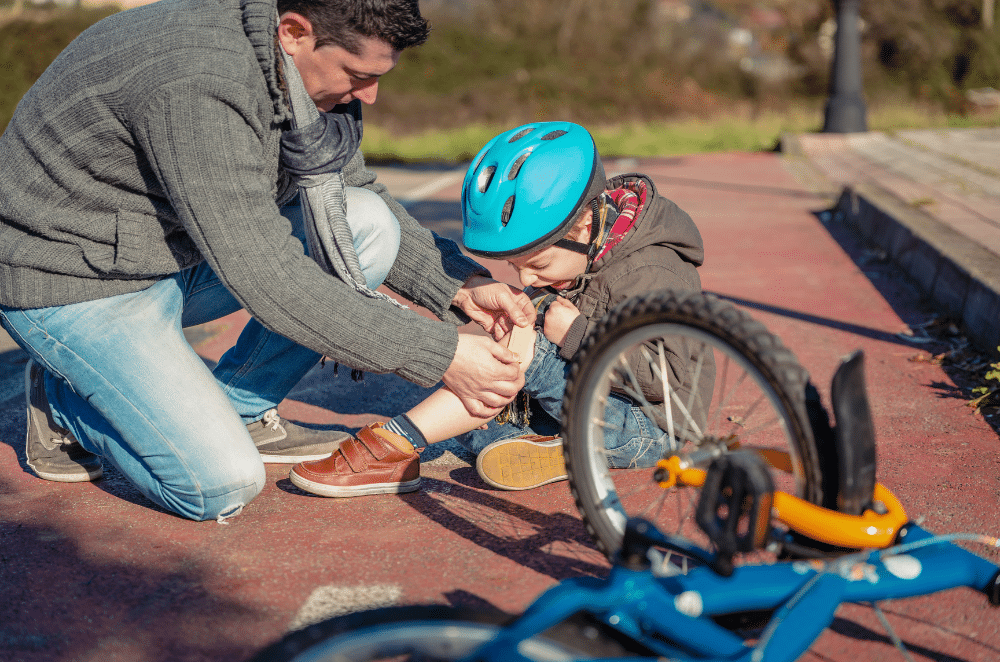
{"points": [[630, 438], [124, 380]]}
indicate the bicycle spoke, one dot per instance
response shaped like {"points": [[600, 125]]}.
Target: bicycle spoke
{"points": [[696, 377], [896, 641], [702, 372], [721, 382], [602, 424], [651, 511], [769, 423], [667, 409]]}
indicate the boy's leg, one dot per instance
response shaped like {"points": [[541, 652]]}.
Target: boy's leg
{"points": [[630, 438], [538, 423], [141, 398], [383, 457], [263, 367], [525, 461], [442, 415]]}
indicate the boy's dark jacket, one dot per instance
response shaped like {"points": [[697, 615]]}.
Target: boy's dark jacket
{"points": [[661, 251]]}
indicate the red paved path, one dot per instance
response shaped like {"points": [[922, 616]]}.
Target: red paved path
{"points": [[94, 572]]}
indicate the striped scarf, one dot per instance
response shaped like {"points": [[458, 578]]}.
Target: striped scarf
{"points": [[314, 152]]}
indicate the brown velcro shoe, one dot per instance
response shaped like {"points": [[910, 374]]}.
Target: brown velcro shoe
{"points": [[369, 464]]}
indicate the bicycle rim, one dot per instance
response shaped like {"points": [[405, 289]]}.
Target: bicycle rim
{"points": [[426, 633], [757, 399]]}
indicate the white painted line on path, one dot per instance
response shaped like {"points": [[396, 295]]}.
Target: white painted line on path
{"points": [[430, 188], [329, 601]]}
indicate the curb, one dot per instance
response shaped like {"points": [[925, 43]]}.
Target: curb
{"points": [[959, 276]]}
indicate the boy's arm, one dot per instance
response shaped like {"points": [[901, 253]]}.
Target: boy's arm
{"points": [[633, 281], [574, 337]]}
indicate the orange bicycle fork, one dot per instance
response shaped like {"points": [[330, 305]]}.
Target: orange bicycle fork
{"points": [[869, 530]]}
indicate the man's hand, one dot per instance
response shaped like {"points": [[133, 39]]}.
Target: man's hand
{"points": [[559, 317], [495, 306], [484, 375]]}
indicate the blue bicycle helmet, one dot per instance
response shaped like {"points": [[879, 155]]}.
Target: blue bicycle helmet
{"points": [[527, 186]]}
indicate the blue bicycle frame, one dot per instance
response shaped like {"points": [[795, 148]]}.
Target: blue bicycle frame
{"points": [[672, 616]]}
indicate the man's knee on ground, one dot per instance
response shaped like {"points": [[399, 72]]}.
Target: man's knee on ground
{"points": [[220, 498]]}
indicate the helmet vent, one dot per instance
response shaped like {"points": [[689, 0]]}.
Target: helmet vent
{"points": [[520, 134], [479, 161], [552, 135], [516, 168], [508, 209], [484, 178]]}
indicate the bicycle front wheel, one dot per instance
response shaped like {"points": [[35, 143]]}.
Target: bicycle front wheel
{"points": [[724, 381], [427, 633]]}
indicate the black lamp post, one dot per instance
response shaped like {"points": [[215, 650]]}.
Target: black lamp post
{"points": [[845, 109]]}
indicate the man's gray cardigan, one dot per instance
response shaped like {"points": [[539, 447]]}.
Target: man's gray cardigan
{"points": [[151, 144]]}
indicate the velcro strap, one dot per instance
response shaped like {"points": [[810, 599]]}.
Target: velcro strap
{"points": [[355, 452], [375, 444]]}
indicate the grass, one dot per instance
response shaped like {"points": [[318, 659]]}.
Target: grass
{"points": [[469, 86], [720, 133]]}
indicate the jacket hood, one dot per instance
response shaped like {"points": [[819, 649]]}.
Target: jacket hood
{"points": [[660, 222]]}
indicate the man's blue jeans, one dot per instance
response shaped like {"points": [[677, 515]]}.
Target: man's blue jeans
{"points": [[121, 376], [630, 438]]}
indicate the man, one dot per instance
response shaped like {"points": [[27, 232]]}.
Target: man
{"points": [[141, 191]]}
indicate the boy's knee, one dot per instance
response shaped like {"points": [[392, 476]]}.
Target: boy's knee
{"points": [[521, 341]]}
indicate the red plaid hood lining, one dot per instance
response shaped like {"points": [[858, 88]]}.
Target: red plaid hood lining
{"points": [[629, 199]]}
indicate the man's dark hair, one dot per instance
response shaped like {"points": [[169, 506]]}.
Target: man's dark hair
{"points": [[341, 22]]}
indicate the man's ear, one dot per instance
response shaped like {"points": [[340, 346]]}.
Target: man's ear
{"points": [[294, 32]]}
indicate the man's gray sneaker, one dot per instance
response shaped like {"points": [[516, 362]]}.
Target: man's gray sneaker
{"points": [[53, 453], [282, 441]]}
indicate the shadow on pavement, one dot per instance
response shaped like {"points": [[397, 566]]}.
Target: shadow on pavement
{"points": [[933, 339], [867, 332], [442, 216], [556, 545], [890, 282], [116, 609]]}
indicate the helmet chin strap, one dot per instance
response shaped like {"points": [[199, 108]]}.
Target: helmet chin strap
{"points": [[575, 246], [596, 230]]}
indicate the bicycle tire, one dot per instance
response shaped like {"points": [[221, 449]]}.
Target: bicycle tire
{"points": [[712, 329], [428, 632]]}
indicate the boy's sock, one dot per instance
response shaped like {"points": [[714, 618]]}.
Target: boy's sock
{"points": [[404, 427]]}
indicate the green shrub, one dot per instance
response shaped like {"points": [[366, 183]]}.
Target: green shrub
{"points": [[30, 42], [606, 63]]}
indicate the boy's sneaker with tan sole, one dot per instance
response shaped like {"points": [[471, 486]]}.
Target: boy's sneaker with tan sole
{"points": [[522, 463], [374, 462]]}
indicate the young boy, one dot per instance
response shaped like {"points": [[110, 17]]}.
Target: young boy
{"points": [[537, 197]]}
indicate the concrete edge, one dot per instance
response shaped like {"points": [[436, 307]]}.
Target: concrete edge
{"points": [[958, 275]]}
